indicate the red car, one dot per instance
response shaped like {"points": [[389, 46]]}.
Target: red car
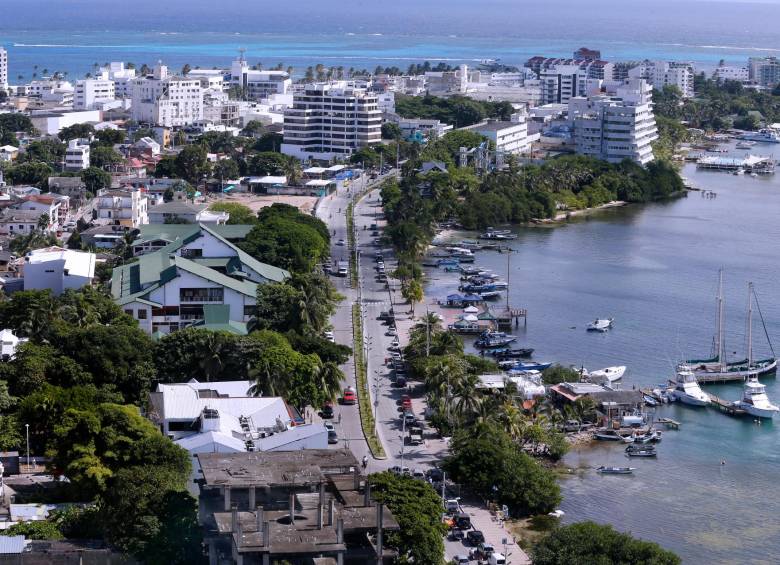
{"points": [[406, 401], [349, 396]]}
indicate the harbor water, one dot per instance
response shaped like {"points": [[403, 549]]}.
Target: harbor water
{"points": [[654, 268]]}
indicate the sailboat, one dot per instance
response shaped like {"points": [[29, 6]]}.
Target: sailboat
{"points": [[717, 365]]}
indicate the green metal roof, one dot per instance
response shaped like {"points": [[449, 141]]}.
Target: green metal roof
{"points": [[269, 272], [216, 318], [171, 232], [244, 287]]}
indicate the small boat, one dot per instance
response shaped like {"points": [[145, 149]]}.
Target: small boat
{"points": [[612, 374], [615, 470], [447, 263], [608, 435], [653, 436], [755, 401], [745, 144], [649, 400], [641, 451], [520, 366], [507, 353], [600, 325], [490, 294], [739, 172], [491, 340]]}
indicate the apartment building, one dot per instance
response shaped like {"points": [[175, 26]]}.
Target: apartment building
{"points": [[447, 82], [3, 69], [122, 78], [331, 121], [764, 71], [91, 93], [615, 127], [258, 85], [665, 73], [562, 79], [167, 100], [58, 269], [729, 72], [507, 136], [128, 208], [77, 155]]}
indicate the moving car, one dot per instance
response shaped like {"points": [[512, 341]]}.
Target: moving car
{"points": [[340, 243], [475, 537], [333, 436], [398, 470], [349, 396], [406, 402], [327, 410]]}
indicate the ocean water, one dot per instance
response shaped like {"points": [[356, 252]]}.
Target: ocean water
{"points": [[73, 35], [654, 269]]}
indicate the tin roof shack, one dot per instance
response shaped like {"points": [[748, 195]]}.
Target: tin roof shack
{"points": [[612, 405], [259, 507]]}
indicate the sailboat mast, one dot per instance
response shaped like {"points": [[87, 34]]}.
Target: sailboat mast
{"points": [[721, 345], [750, 325], [508, 256]]}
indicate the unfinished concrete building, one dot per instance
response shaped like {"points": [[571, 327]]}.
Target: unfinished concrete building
{"points": [[308, 506]]}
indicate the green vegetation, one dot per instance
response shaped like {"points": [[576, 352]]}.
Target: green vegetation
{"points": [[287, 238], [10, 124], [367, 421], [417, 508], [239, 214], [487, 460], [719, 105], [588, 543], [460, 111]]}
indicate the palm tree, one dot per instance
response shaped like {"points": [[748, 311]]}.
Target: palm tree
{"points": [[330, 378], [211, 361], [292, 170]]}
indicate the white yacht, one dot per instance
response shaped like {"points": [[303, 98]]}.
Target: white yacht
{"points": [[755, 401], [687, 389], [600, 325], [762, 136], [612, 374]]}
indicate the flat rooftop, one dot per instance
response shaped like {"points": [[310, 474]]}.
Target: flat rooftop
{"points": [[261, 469]]}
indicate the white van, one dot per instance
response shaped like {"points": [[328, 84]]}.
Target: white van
{"points": [[496, 559]]}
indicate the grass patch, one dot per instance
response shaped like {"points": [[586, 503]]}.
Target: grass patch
{"points": [[364, 400], [353, 266], [530, 531]]}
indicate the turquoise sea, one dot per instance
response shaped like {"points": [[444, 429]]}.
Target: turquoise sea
{"points": [[654, 269], [72, 35]]}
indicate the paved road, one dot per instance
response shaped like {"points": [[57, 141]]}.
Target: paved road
{"points": [[376, 297]]}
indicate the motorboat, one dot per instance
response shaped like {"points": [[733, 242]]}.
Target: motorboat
{"points": [[745, 144], [641, 451], [522, 366], [615, 470], [649, 400], [755, 401], [608, 435], [507, 353], [652, 436], [491, 340], [687, 390], [600, 325], [762, 136], [490, 294], [611, 374]]}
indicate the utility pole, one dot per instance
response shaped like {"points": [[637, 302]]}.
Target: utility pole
{"points": [[427, 333], [27, 430]]}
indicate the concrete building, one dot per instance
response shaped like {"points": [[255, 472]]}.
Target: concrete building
{"points": [[666, 73], [58, 269], [122, 78], [730, 72], [225, 417], [167, 100], [15, 222], [447, 82], [562, 79], [91, 93], [764, 71], [55, 206], [9, 342], [8, 153], [508, 136], [168, 289], [3, 69], [54, 91], [616, 127], [331, 121], [51, 123], [419, 129], [127, 208], [258, 85], [77, 155], [309, 506]]}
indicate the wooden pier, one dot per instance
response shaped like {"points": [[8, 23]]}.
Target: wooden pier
{"points": [[505, 318], [669, 423], [725, 406]]}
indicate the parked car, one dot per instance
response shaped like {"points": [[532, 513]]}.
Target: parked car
{"points": [[409, 418], [398, 470], [475, 537], [333, 436], [329, 336], [340, 243], [463, 521], [486, 549], [327, 410], [406, 401], [349, 396], [462, 559], [400, 381], [329, 426], [418, 474], [435, 475], [457, 535], [452, 505], [497, 559]]}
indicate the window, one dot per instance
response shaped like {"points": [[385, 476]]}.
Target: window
{"points": [[142, 314], [129, 312], [189, 253]]}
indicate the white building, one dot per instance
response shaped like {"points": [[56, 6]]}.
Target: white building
{"points": [[447, 82], [509, 137], [15, 222], [386, 102], [331, 121], [128, 208], [122, 78], [764, 71], [171, 288], [52, 90], [58, 269], [91, 93], [77, 155], [55, 206], [616, 127], [258, 85], [729, 72], [3, 69], [8, 344], [666, 73], [191, 213], [51, 123], [167, 100], [411, 127], [225, 417], [210, 79]]}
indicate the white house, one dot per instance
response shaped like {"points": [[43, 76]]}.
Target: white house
{"points": [[8, 153], [77, 155], [508, 136], [224, 417], [128, 208], [58, 269], [9, 343], [170, 288], [51, 123], [192, 213], [56, 206], [15, 222]]}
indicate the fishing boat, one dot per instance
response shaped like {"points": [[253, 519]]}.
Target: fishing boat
{"points": [[755, 401], [600, 325], [611, 374], [608, 435], [507, 353], [490, 294], [491, 340], [447, 263], [687, 390], [717, 366], [652, 436], [615, 470], [521, 366], [641, 451]]}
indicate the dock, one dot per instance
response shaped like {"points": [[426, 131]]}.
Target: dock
{"points": [[669, 423], [725, 406]]}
